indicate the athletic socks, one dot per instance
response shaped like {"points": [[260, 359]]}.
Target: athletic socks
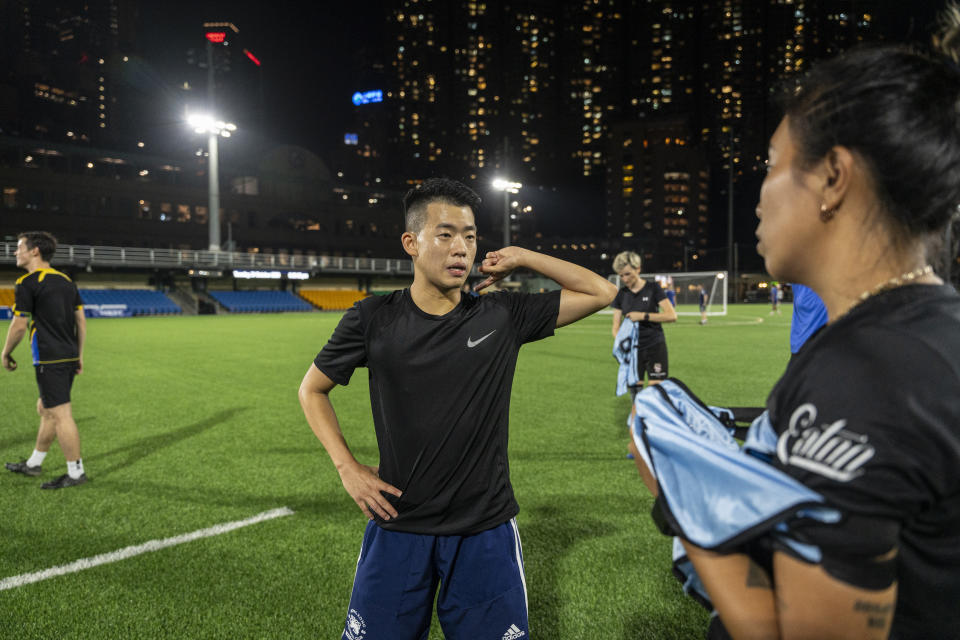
{"points": [[75, 469], [37, 458]]}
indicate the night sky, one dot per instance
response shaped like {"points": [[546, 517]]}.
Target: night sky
{"points": [[310, 51], [305, 49]]}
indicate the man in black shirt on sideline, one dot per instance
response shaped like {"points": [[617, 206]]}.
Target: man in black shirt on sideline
{"points": [[441, 367], [57, 332]]}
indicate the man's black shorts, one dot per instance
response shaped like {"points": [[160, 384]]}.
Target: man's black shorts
{"points": [[653, 360], [54, 382]]}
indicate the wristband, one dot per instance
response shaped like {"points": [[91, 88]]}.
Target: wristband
{"points": [[646, 317]]}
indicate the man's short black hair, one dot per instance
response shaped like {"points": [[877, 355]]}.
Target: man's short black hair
{"points": [[435, 190], [40, 240]]}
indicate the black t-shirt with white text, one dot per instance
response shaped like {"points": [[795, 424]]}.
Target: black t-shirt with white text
{"points": [[868, 415], [440, 397], [647, 300]]}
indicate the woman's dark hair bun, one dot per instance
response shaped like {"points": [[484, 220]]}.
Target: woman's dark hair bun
{"points": [[899, 109]]}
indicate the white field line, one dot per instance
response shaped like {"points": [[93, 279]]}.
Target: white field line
{"points": [[574, 328], [128, 552]]}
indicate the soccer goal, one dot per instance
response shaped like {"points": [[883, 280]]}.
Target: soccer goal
{"points": [[687, 288]]}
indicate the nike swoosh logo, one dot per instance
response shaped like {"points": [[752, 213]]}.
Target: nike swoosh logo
{"points": [[472, 343]]}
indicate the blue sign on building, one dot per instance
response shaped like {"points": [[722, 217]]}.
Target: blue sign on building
{"points": [[367, 97]]}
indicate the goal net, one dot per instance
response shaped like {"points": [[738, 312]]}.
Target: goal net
{"points": [[686, 287]]}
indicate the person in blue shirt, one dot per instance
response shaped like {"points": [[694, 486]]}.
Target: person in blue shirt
{"points": [[809, 314], [703, 297], [670, 290]]}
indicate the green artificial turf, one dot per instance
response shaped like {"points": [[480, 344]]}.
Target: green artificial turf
{"points": [[191, 422]]}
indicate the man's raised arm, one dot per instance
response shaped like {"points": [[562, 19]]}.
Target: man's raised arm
{"points": [[584, 292]]}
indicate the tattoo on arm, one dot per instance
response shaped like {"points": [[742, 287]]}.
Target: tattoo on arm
{"points": [[757, 578], [877, 614]]}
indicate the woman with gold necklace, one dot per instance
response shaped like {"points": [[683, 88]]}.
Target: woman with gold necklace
{"points": [[863, 184]]}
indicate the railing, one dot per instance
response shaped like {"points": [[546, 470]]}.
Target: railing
{"points": [[143, 258]]}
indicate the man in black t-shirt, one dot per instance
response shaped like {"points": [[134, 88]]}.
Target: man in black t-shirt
{"points": [[57, 332], [441, 367]]}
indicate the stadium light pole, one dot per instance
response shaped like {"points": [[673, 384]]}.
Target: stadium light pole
{"points": [[215, 129], [730, 268], [215, 34], [508, 187]]}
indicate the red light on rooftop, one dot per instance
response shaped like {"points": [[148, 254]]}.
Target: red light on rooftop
{"points": [[252, 57], [216, 37]]}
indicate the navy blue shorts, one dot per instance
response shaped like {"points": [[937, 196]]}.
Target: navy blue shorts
{"points": [[483, 592]]}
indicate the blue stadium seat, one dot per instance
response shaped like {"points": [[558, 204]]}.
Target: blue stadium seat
{"points": [[127, 302], [260, 301]]}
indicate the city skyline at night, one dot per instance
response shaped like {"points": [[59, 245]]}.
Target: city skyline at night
{"points": [[536, 91]]}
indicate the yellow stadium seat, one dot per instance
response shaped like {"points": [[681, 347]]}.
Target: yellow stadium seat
{"points": [[332, 299]]}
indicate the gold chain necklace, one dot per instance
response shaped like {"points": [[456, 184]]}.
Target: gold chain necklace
{"points": [[892, 283]]}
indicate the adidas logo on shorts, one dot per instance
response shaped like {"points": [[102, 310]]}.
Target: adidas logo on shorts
{"points": [[513, 633]]}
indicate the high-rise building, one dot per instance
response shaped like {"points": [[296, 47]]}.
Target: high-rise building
{"points": [[662, 60], [421, 64], [474, 86], [363, 156], [733, 82], [657, 191], [531, 88], [63, 65], [593, 64]]}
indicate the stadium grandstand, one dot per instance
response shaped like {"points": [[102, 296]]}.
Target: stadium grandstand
{"points": [[128, 282]]}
